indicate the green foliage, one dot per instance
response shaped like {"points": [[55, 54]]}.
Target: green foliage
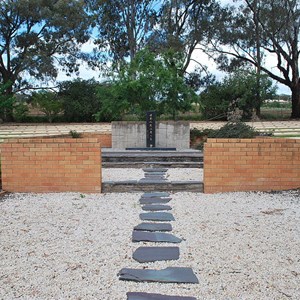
{"points": [[199, 137], [80, 101], [184, 26], [39, 37], [48, 103], [6, 101], [149, 82], [20, 111], [196, 133], [74, 134], [240, 87], [114, 102], [123, 27], [229, 130], [249, 31], [234, 130], [277, 104]]}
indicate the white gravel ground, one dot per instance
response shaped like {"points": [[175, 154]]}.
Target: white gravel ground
{"points": [[71, 246], [173, 174]]}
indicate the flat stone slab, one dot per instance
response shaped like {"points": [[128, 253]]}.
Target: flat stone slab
{"points": [[150, 254], [157, 237], [152, 180], [153, 227], [157, 207], [155, 194], [155, 173], [148, 170], [168, 275], [153, 177], [146, 296], [154, 200], [157, 216]]}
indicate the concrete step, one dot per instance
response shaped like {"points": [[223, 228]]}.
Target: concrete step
{"points": [[153, 164], [143, 159], [138, 186]]}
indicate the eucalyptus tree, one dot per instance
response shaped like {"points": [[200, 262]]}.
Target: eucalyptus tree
{"points": [[122, 28], [37, 37], [185, 26], [253, 29]]}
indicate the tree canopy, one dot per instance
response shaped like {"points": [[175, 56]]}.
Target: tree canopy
{"points": [[149, 82], [253, 29], [123, 27], [148, 46], [37, 37]]}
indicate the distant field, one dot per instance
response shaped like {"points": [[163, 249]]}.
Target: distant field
{"points": [[275, 113]]}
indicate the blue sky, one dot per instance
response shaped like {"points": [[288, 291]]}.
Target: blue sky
{"points": [[87, 73]]}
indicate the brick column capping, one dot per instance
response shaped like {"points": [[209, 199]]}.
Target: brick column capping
{"points": [[261, 164], [51, 165]]}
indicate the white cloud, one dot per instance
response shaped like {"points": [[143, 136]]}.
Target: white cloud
{"points": [[270, 62]]}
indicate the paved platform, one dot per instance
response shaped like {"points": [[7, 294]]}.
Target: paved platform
{"points": [[13, 130]]}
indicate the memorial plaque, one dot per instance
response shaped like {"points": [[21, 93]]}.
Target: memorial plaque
{"points": [[150, 129]]}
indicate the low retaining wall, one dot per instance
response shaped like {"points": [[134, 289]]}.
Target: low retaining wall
{"points": [[104, 139], [169, 134], [51, 165], [261, 164]]}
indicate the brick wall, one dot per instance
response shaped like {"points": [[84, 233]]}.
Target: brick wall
{"points": [[51, 165], [104, 138], [261, 164]]}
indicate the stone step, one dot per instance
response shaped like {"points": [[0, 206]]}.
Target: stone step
{"points": [[145, 164], [190, 158], [133, 186]]}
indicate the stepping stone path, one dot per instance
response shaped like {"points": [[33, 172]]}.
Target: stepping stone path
{"points": [[158, 237], [157, 216], [155, 195], [154, 227], [149, 254], [154, 202], [168, 275], [158, 207], [146, 296]]}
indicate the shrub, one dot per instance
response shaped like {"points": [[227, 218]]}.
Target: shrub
{"points": [[74, 134], [20, 111], [234, 130], [229, 130], [198, 137], [48, 103], [80, 101], [240, 88]]}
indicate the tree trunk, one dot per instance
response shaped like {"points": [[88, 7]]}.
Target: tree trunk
{"points": [[8, 111], [296, 101], [258, 58]]}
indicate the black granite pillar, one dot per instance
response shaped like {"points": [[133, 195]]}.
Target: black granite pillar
{"points": [[150, 129]]}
